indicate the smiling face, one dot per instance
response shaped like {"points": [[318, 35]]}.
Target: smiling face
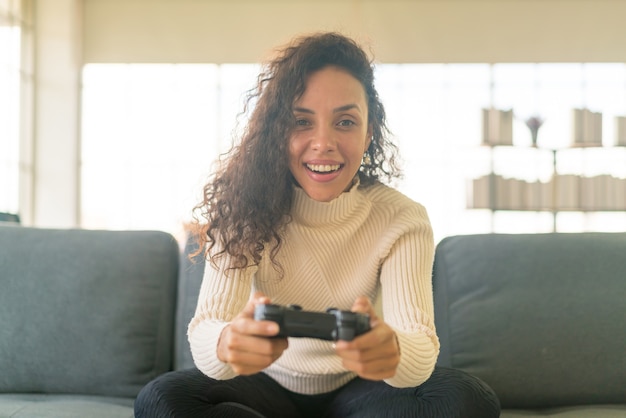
{"points": [[331, 133]]}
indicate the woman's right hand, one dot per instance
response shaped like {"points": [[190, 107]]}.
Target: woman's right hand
{"points": [[245, 344]]}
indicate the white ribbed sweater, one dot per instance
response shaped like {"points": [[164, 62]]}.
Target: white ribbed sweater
{"points": [[368, 240]]}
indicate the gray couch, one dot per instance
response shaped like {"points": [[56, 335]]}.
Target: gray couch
{"points": [[88, 317], [540, 318]]}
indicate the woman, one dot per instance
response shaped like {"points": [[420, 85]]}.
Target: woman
{"points": [[299, 215]]}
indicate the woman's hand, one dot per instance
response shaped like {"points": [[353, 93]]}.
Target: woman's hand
{"points": [[244, 343], [374, 355]]}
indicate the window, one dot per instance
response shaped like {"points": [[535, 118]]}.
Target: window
{"points": [[16, 81], [151, 133], [9, 105]]}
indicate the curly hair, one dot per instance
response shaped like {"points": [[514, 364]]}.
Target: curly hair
{"points": [[248, 201]]}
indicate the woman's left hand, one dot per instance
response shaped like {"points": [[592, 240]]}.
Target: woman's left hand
{"points": [[374, 355]]}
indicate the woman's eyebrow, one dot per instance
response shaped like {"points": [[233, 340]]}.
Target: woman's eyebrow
{"points": [[336, 110], [347, 107]]}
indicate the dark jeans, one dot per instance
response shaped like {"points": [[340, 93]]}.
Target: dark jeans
{"points": [[190, 394]]}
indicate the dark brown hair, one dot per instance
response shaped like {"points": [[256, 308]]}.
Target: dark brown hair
{"points": [[248, 200]]}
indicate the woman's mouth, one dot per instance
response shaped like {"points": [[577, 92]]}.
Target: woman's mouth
{"points": [[323, 168]]}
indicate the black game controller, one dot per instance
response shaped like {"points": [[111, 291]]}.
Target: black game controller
{"points": [[331, 325]]}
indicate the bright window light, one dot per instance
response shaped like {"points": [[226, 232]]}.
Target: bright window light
{"points": [[9, 117], [151, 134]]}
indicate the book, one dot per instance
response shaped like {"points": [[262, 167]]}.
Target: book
{"points": [[497, 126], [620, 131], [586, 127]]}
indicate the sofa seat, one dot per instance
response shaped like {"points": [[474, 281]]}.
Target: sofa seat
{"points": [[594, 411], [64, 406]]}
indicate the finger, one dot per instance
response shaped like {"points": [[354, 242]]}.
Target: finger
{"points": [[248, 354], [371, 361], [372, 353], [255, 299], [362, 304], [253, 345], [263, 328], [379, 336], [245, 362], [249, 326]]}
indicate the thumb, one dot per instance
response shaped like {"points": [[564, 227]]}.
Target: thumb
{"points": [[363, 305], [255, 299]]}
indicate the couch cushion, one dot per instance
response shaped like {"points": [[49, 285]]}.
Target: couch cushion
{"points": [[595, 411], [61, 406], [538, 317], [88, 312]]}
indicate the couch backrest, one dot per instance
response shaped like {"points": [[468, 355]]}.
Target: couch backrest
{"points": [[190, 280], [86, 312], [541, 318]]}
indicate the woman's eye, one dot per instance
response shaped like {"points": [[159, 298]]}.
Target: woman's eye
{"points": [[346, 122], [302, 122]]}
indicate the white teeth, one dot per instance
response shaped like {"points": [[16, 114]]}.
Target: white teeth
{"points": [[323, 168]]}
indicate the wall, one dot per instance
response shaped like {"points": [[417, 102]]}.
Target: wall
{"points": [[399, 30], [55, 189], [72, 32]]}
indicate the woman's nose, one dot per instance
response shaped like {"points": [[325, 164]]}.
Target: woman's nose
{"points": [[323, 139]]}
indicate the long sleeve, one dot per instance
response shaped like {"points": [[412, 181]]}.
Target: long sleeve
{"points": [[407, 301], [369, 239], [222, 297]]}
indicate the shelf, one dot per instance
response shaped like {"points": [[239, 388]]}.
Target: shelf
{"points": [[549, 210], [555, 193]]}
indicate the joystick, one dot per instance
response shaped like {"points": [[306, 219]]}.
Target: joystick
{"points": [[332, 325]]}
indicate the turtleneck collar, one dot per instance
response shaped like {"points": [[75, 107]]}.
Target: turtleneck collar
{"points": [[349, 205]]}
